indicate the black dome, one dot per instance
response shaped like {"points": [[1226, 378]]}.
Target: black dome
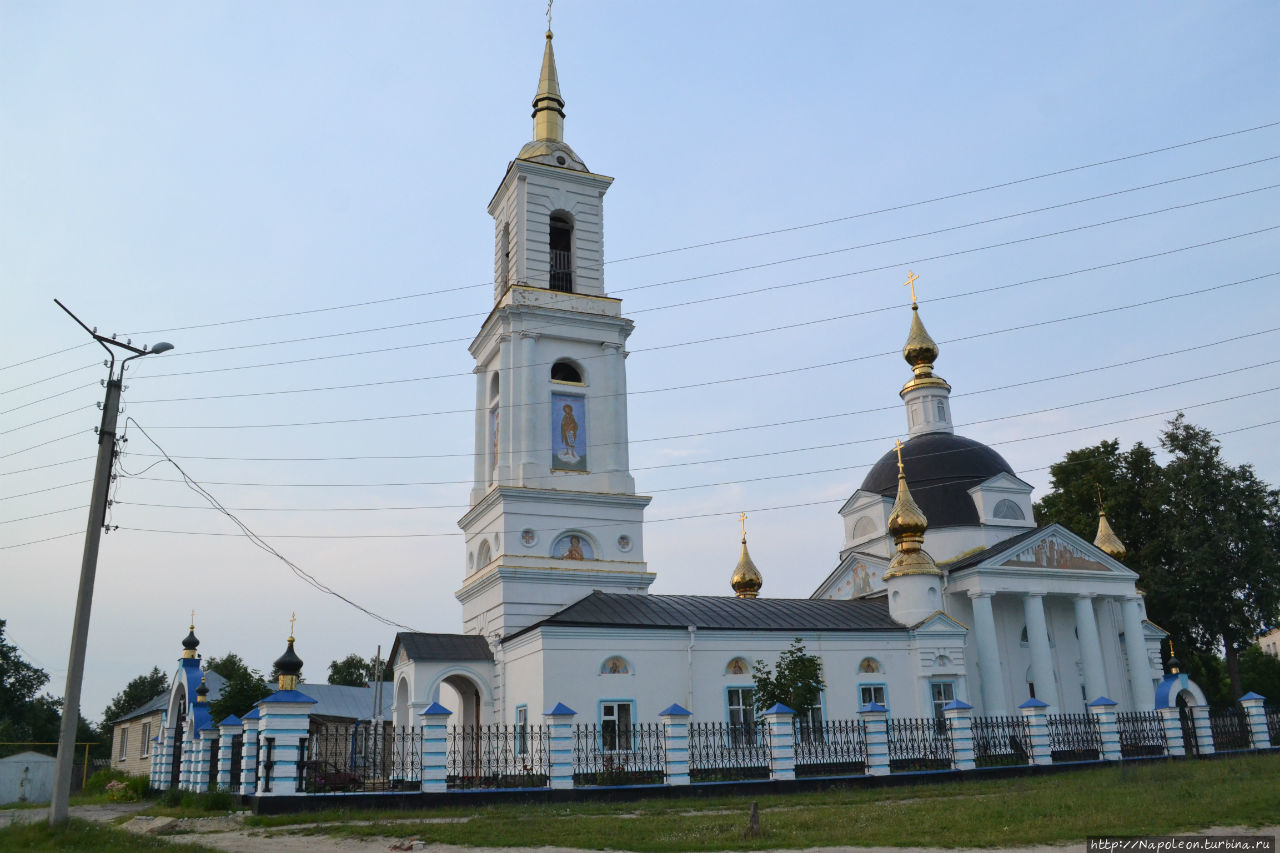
{"points": [[941, 469]]}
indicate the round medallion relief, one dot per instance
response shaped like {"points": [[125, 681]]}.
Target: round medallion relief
{"points": [[528, 536], [624, 543]]}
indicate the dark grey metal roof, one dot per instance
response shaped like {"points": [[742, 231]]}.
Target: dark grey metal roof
{"points": [[941, 469], [159, 703], [999, 548], [443, 646], [341, 700], [724, 613]]}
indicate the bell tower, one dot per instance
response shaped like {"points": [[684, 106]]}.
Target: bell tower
{"points": [[554, 514]]}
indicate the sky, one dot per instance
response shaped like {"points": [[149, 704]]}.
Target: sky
{"points": [[294, 195]]}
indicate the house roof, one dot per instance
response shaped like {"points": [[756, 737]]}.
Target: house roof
{"points": [[725, 613], [420, 646], [157, 703], [341, 700]]}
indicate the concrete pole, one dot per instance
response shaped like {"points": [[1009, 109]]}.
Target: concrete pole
{"points": [[84, 603]]}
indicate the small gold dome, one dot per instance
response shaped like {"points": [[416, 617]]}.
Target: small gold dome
{"points": [[907, 524], [1107, 540], [920, 351], [746, 581]]}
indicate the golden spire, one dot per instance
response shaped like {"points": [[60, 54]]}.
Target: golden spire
{"points": [[548, 106], [746, 580], [1107, 540], [907, 525]]}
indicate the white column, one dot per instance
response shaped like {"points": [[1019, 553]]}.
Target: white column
{"points": [[994, 703], [623, 456], [482, 438], [606, 452], [1095, 678], [1135, 647], [527, 453], [506, 397], [1041, 656]]}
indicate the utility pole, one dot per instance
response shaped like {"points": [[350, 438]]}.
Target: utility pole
{"points": [[89, 565]]}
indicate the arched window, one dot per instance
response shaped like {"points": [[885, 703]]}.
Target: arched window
{"points": [[1008, 509], [561, 252], [869, 665], [483, 555], [566, 371], [504, 256], [493, 386], [616, 665], [864, 526]]}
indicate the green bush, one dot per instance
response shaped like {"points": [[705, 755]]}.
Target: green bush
{"points": [[97, 783], [171, 797]]}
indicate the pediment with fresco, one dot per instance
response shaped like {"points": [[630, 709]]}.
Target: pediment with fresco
{"points": [[1052, 552]]}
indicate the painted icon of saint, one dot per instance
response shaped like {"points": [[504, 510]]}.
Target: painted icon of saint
{"points": [[575, 547], [569, 434]]}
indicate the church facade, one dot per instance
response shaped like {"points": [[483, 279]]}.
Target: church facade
{"points": [[945, 588]]}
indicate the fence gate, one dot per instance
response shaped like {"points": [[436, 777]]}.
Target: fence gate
{"points": [[237, 746], [1189, 742]]}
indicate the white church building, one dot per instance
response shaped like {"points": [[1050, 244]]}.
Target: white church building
{"points": [[945, 588]]}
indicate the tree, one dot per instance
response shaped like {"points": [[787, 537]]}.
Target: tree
{"points": [[1260, 672], [1203, 535], [25, 714], [136, 693], [796, 681], [355, 671], [242, 689], [1227, 539]]}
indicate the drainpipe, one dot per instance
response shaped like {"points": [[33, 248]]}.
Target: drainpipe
{"points": [[688, 694]]}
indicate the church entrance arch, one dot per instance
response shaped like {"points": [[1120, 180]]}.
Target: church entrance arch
{"points": [[178, 714], [400, 715], [465, 749]]}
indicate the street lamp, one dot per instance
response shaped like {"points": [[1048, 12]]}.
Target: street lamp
{"points": [[89, 563]]}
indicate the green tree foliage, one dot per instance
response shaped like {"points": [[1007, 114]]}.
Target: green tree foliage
{"points": [[243, 687], [1260, 673], [356, 671], [27, 715], [136, 693], [796, 681], [1203, 535]]}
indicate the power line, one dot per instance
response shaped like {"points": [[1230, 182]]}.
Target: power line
{"points": [[49, 378], [471, 454], [692, 342], [46, 420], [45, 539], [41, 467], [706, 383], [971, 224], [43, 444], [42, 491], [1055, 173], [43, 514], [999, 418], [914, 489], [50, 397]]}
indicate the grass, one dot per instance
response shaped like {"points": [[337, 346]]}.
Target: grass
{"points": [[1154, 797], [80, 835]]}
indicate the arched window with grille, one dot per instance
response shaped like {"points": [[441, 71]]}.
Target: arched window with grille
{"points": [[561, 246]]}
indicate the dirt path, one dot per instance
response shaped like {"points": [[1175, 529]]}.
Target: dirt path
{"points": [[98, 812], [215, 834]]}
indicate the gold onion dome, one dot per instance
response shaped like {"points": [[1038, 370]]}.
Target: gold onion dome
{"points": [[1107, 540], [920, 351], [746, 581], [907, 525]]}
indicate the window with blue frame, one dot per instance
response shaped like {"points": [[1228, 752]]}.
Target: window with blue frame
{"points": [[522, 729], [941, 692], [742, 714], [616, 719], [877, 693]]}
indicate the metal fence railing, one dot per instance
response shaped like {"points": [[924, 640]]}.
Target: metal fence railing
{"points": [[1273, 723], [1074, 737], [1001, 741], [919, 743], [498, 756], [361, 757], [830, 748], [1141, 734], [1230, 731], [722, 752], [619, 755]]}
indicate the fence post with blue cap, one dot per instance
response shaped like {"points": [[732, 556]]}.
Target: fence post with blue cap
{"points": [[1171, 722], [435, 748], [1255, 718], [959, 716], [560, 744], [1204, 729], [675, 747], [1037, 729], [875, 726], [227, 731], [780, 724], [1104, 716], [248, 753], [286, 719]]}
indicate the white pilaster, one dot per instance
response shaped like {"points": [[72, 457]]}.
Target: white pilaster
{"points": [[529, 408], [1041, 655], [994, 703], [1095, 679]]}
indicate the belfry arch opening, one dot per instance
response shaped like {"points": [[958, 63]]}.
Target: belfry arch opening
{"points": [[566, 371], [561, 246]]}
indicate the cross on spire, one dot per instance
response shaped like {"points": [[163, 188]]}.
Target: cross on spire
{"points": [[897, 446], [292, 617], [549, 2], [1098, 486], [911, 283], [193, 620], [742, 517]]}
